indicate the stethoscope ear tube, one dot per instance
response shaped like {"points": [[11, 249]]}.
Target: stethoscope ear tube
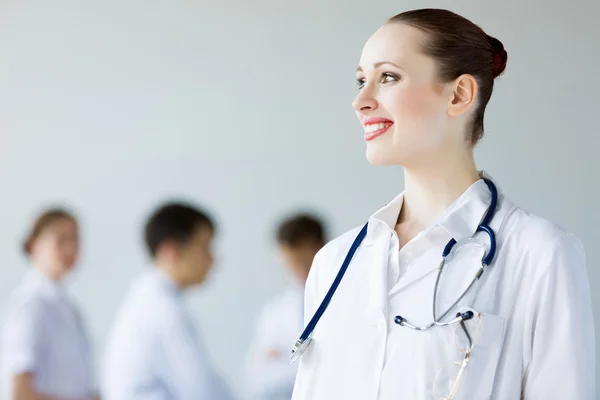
{"points": [[338, 279], [305, 338]]}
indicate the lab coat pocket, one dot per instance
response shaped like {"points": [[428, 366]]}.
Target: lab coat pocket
{"points": [[484, 336]]}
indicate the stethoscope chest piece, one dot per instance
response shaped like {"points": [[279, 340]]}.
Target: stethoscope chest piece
{"points": [[299, 349]]}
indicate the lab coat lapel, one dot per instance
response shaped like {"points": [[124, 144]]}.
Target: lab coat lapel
{"points": [[375, 249], [374, 255]]}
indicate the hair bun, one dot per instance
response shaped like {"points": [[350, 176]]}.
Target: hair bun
{"points": [[500, 56]]}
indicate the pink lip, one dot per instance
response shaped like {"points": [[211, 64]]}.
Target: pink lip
{"points": [[372, 121]]}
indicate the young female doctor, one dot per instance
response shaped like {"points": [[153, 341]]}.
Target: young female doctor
{"points": [[449, 291], [45, 354]]}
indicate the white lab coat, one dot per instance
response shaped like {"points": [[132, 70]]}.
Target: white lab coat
{"points": [[154, 351], [44, 334], [270, 376], [537, 337]]}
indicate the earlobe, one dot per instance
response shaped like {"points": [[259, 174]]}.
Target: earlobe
{"points": [[463, 95]]}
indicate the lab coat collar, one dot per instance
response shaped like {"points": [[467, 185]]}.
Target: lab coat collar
{"points": [[164, 280], [464, 216], [43, 284], [460, 220], [387, 215]]}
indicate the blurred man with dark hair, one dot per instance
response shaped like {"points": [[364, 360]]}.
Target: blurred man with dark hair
{"points": [[154, 350], [269, 374]]}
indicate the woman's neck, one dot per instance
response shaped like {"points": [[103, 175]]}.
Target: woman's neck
{"points": [[431, 189], [47, 271]]}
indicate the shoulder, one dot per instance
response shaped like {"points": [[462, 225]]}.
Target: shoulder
{"points": [[281, 304], [276, 303], [145, 304], [26, 315], [327, 261], [26, 303], [534, 230], [339, 245], [538, 239]]}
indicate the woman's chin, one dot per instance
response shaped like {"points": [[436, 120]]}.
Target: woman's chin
{"points": [[381, 157]]}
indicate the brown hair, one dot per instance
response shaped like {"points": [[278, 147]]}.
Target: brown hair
{"points": [[299, 229], [42, 222], [460, 47]]}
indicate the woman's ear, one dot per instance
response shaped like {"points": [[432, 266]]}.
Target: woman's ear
{"points": [[463, 95]]}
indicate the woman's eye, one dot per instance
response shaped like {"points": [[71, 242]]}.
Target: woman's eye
{"points": [[389, 77], [360, 82], [386, 77]]}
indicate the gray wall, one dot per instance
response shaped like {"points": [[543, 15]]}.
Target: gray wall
{"points": [[244, 107]]}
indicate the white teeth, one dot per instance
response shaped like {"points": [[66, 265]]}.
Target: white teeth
{"points": [[375, 127]]}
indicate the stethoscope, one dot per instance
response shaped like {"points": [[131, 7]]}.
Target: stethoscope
{"points": [[306, 337]]}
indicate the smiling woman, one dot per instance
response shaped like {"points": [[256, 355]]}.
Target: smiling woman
{"points": [[483, 321], [403, 77]]}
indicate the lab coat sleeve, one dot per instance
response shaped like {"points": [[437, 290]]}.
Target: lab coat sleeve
{"points": [[561, 327], [22, 338], [191, 376]]}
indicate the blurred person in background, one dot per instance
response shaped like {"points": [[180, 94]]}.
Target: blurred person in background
{"points": [[270, 376], [154, 350], [45, 353]]}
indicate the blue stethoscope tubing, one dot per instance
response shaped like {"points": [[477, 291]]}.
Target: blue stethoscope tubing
{"points": [[305, 338]]}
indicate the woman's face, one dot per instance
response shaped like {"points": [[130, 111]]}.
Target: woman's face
{"points": [[401, 105], [56, 249]]}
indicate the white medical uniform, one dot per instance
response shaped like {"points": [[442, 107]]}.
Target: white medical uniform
{"points": [[270, 376], [154, 351], [43, 334], [536, 340]]}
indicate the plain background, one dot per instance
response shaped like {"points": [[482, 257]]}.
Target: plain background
{"points": [[244, 108]]}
